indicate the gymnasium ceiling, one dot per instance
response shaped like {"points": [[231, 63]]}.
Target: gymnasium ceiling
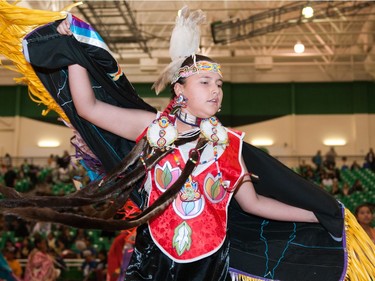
{"points": [[253, 40]]}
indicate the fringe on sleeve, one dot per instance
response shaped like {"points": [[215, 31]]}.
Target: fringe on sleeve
{"points": [[15, 23]]}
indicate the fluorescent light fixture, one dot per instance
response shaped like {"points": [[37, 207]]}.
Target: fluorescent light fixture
{"points": [[262, 142], [299, 48], [308, 12], [334, 142], [48, 143]]}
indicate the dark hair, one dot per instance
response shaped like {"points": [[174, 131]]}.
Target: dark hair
{"points": [[188, 62], [359, 207]]}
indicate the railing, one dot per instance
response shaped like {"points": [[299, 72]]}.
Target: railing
{"points": [[70, 263]]}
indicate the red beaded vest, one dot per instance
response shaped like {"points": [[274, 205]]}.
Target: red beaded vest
{"points": [[194, 226]]}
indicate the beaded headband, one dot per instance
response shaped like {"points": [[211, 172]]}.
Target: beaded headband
{"points": [[187, 71]]}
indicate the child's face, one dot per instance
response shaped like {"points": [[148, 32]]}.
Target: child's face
{"points": [[364, 215]]}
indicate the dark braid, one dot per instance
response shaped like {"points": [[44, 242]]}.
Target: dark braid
{"points": [[99, 219]]}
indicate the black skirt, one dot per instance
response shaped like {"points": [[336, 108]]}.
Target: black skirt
{"points": [[150, 263]]}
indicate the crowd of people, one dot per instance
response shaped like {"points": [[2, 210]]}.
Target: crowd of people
{"points": [[325, 171], [46, 245]]}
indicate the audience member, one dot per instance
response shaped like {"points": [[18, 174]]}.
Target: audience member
{"points": [[327, 181], [20, 228], [335, 190], [344, 165], [88, 266], [5, 271], [7, 161], [330, 158], [355, 166], [370, 160], [25, 248], [13, 262], [356, 187], [365, 216], [317, 159], [345, 189], [64, 160], [101, 267], [10, 176], [40, 264], [51, 162], [67, 237]]}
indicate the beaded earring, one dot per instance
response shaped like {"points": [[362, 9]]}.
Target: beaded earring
{"points": [[180, 101]]}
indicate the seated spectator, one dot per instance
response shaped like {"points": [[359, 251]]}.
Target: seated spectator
{"points": [[13, 262], [355, 166], [25, 248], [101, 267], [357, 186], [365, 216], [327, 181], [89, 266], [67, 237], [344, 165], [345, 189], [40, 264], [335, 188], [5, 271]]}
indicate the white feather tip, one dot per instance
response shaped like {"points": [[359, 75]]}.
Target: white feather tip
{"points": [[185, 36]]}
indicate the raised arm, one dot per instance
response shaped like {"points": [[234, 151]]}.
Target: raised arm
{"points": [[127, 123], [269, 208]]}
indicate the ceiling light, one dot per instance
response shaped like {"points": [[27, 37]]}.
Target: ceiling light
{"points": [[308, 12], [334, 142], [299, 48], [262, 142], [48, 143]]}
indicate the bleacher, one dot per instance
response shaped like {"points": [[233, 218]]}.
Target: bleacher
{"points": [[73, 270], [367, 177]]}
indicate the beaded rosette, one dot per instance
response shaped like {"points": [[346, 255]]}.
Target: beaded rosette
{"points": [[214, 131], [162, 132]]}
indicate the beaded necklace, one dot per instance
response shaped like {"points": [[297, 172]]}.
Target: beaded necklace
{"points": [[162, 133]]}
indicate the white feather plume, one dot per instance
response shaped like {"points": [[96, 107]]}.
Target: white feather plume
{"points": [[185, 36], [184, 42]]}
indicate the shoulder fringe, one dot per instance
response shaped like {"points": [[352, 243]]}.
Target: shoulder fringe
{"points": [[360, 251], [15, 23]]}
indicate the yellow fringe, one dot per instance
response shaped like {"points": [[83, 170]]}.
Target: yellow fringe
{"points": [[15, 23], [360, 251], [246, 278]]}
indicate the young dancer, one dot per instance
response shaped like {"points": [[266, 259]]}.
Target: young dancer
{"points": [[186, 168]]}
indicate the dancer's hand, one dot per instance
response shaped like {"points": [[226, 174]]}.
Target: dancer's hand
{"points": [[64, 27]]}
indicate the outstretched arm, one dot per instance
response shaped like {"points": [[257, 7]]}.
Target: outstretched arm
{"points": [[269, 208], [125, 122]]}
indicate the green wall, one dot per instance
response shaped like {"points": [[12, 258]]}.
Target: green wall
{"points": [[243, 103]]}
